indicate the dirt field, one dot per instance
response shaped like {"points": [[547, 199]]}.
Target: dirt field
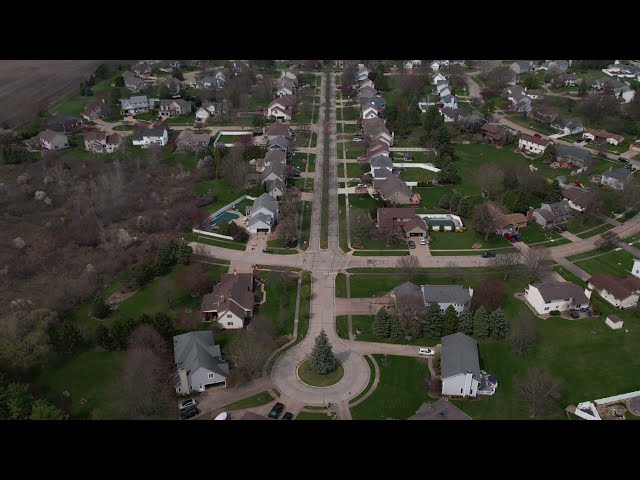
{"points": [[28, 86]]}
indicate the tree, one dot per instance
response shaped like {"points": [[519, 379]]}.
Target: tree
{"points": [[115, 95], [449, 174], [194, 281], [24, 338], [466, 322], [380, 326], [455, 200], [166, 291], [360, 225], [251, 349], [539, 392], [522, 335], [598, 106], [119, 82], [15, 401], [43, 410], [488, 294], [407, 267], [100, 309], [607, 240], [630, 193], [147, 336], [592, 205], [484, 219], [102, 337], [411, 314], [465, 207], [178, 74], [434, 323], [533, 260], [450, 320], [395, 329], [143, 274], [531, 82], [499, 324], [490, 178], [65, 337], [507, 263], [444, 202], [322, 360], [14, 154], [582, 88], [481, 327]]}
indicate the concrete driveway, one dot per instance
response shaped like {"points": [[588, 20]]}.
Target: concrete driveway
{"points": [[362, 306]]}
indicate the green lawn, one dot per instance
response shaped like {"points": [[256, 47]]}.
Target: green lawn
{"points": [[125, 127], [75, 103], [350, 127], [381, 253], [306, 226], [313, 416], [342, 326], [188, 120], [344, 244], [362, 324], [280, 309], [400, 391], [308, 376], [354, 170], [350, 113], [148, 116], [187, 160], [568, 276], [617, 263], [305, 305], [354, 150], [87, 375], [341, 285], [216, 242], [580, 223], [417, 175], [256, 400], [224, 193], [596, 231], [300, 161], [464, 240], [534, 233]]}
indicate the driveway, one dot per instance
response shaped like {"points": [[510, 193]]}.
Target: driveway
{"points": [[362, 306], [216, 398]]}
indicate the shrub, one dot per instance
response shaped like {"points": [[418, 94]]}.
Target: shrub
{"points": [[554, 313]]}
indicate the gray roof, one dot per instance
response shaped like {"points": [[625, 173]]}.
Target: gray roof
{"points": [[276, 166], [449, 99], [259, 217], [563, 151], [149, 132], [446, 294], [196, 350], [382, 172], [556, 209], [393, 185], [459, 356], [273, 184], [280, 140], [443, 409], [267, 201], [551, 291], [375, 102], [407, 288], [381, 161], [618, 173]]}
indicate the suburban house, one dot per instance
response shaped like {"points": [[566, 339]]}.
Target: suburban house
{"points": [[173, 84], [546, 297], [450, 114], [565, 80], [275, 188], [615, 178], [376, 147], [61, 123], [377, 102], [402, 220], [494, 134], [579, 157], [601, 136], [443, 295], [533, 144], [168, 66], [381, 167], [174, 108], [577, 198], [263, 214], [507, 222], [559, 66], [281, 143], [210, 83], [98, 141], [441, 409], [621, 70], [188, 141], [135, 105], [281, 108], [363, 74], [375, 128], [438, 64], [48, 140], [568, 126], [438, 77], [635, 270], [535, 94], [522, 66], [543, 115], [285, 86], [96, 109], [367, 91], [550, 214], [151, 136], [366, 83], [132, 83], [619, 89], [369, 111], [460, 368], [619, 292], [141, 69], [449, 101], [198, 362], [277, 129], [230, 302], [206, 110], [397, 191], [442, 88], [290, 76], [275, 161]]}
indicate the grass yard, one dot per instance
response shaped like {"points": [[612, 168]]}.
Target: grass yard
{"points": [[430, 196], [305, 305], [308, 376], [74, 104], [147, 116], [534, 233], [341, 285], [617, 263], [300, 161], [124, 127], [400, 391], [313, 416], [596, 231], [342, 326], [362, 324], [417, 175], [216, 242], [256, 400], [579, 223], [189, 120], [353, 149], [187, 160], [354, 170], [342, 232], [350, 127], [306, 226], [280, 309], [530, 123], [224, 193], [86, 375], [464, 240], [350, 113], [568, 276]]}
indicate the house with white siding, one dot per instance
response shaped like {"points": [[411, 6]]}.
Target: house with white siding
{"points": [[230, 302], [198, 363], [615, 178], [151, 136], [460, 368], [619, 292], [262, 215], [546, 297], [282, 108], [533, 144], [635, 270]]}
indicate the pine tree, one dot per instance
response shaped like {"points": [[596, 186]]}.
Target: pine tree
{"points": [[464, 208], [381, 324], [450, 320], [102, 337], [322, 360], [43, 410], [499, 324], [481, 327], [434, 324], [455, 201], [100, 309], [466, 322], [395, 330], [444, 202]]}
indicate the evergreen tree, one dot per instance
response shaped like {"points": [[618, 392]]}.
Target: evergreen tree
{"points": [[15, 401], [143, 275], [184, 253], [499, 324], [178, 74], [481, 327], [102, 337], [119, 334], [395, 330], [449, 174], [434, 324], [450, 320], [455, 201], [381, 324], [66, 337], [466, 322], [582, 88], [43, 410], [464, 207], [100, 309], [119, 82], [115, 95], [443, 136], [444, 202], [322, 360], [163, 323]]}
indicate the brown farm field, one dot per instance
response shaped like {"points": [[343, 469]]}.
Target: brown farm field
{"points": [[29, 86]]}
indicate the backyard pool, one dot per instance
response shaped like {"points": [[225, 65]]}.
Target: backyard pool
{"points": [[226, 216]]}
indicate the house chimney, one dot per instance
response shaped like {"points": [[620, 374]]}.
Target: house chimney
{"points": [[530, 214], [184, 381]]}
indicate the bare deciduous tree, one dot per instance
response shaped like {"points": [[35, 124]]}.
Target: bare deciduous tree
{"points": [[194, 281], [484, 219], [408, 267], [360, 225], [488, 293], [538, 391], [507, 263], [145, 336], [630, 193], [411, 312], [522, 334], [250, 349], [490, 177], [534, 259], [607, 240], [166, 290]]}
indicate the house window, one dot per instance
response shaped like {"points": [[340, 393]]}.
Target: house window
{"points": [[228, 315], [549, 301], [547, 308], [211, 375], [229, 324], [460, 390], [179, 390]]}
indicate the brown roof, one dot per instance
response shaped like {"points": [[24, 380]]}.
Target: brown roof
{"points": [[285, 101], [415, 222], [95, 135], [576, 195], [543, 142], [278, 128], [114, 139], [614, 319], [494, 131], [392, 185], [386, 216], [620, 288], [604, 134], [507, 219], [238, 287], [551, 291], [374, 126], [440, 410]]}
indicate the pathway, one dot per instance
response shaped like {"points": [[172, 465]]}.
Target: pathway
{"points": [[573, 268]]}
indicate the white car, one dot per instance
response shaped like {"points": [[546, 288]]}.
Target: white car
{"points": [[428, 352], [187, 404], [423, 241]]}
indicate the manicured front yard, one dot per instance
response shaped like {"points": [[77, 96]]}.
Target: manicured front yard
{"points": [[308, 376], [596, 231], [256, 400], [534, 233], [464, 240], [617, 263], [313, 416], [342, 326], [350, 113], [353, 149], [280, 309]]}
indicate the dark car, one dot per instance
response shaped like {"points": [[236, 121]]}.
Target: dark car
{"points": [[488, 254], [276, 410], [574, 314], [412, 244], [559, 228], [287, 416], [188, 413]]}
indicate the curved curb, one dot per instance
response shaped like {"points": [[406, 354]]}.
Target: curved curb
{"points": [[374, 385], [314, 386]]}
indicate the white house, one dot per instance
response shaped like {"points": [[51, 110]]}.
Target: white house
{"points": [[151, 136], [369, 111], [615, 178], [636, 268], [438, 64], [263, 214], [602, 136], [546, 297], [438, 77], [198, 362], [282, 108], [230, 302], [460, 366], [363, 74], [619, 292], [450, 101], [533, 144], [202, 114]]}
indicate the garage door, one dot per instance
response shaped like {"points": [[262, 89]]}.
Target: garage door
{"points": [[263, 230]]}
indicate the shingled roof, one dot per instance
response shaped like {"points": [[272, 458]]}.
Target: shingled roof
{"points": [[459, 356]]}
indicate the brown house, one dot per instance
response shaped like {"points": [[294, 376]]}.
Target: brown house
{"points": [[494, 134], [230, 302], [507, 222]]}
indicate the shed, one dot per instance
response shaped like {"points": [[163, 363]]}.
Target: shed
{"points": [[614, 322]]}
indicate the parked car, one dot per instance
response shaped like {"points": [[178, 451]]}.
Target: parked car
{"points": [[559, 228], [428, 352], [187, 404], [412, 244], [357, 139], [488, 254], [574, 314], [510, 237], [354, 180], [423, 241], [287, 416], [276, 410], [188, 413]]}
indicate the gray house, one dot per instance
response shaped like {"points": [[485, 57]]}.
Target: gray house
{"points": [[199, 363], [136, 104], [460, 366], [445, 295], [580, 157], [550, 214], [615, 178], [443, 409], [133, 83], [568, 126]]}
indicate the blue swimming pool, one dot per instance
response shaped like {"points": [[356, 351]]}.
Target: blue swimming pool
{"points": [[226, 217]]}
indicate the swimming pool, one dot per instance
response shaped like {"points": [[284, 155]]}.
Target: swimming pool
{"points": [[226, 217]]}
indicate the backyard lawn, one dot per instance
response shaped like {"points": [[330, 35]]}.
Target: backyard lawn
{"points": [[617, 263], [224, 193], [417, 175], [280, 309]]}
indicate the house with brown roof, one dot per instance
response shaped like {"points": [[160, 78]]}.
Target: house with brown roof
{"points": [[602, 136], [61, 123], [282, 108], [375, 128], [546, 297], [619, 292], [174, 108], [133, 83], [402, 220], [230, 302], [507, 222], [578, 198], [533, 144], [277, 129], [99, 141], [494, 134], [96, 109], [376, 147]]}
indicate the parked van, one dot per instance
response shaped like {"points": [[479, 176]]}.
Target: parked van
{"points": [[426, 352]]}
